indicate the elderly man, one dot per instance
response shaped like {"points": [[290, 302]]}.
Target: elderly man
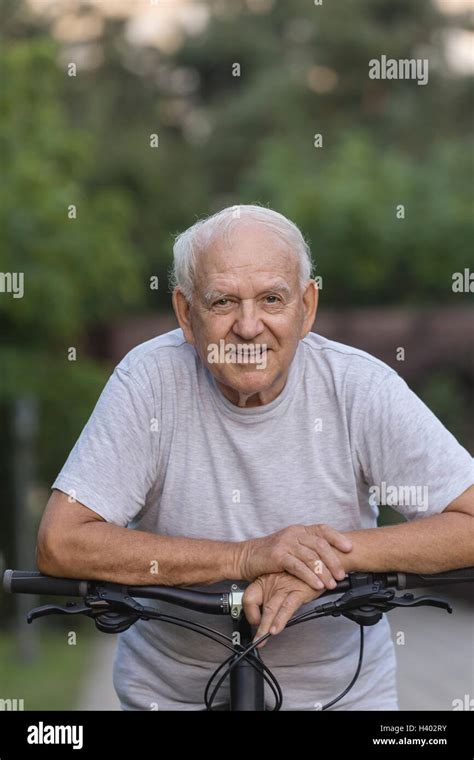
{"points": [[199, 466]]}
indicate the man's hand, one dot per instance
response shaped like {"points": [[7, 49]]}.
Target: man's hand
{"points": [[305, 551], [280, 595]]}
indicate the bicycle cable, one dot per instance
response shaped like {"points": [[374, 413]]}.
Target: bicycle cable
{"points": [[212, 633], [356, 674], [279, 701], [233, 661], [313, 615]]}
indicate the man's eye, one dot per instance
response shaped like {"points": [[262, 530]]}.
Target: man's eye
{"points": [[273, 302], [221, 302]]}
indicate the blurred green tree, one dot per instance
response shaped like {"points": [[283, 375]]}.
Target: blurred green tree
{"points": [[77, 271], [367, 248], [228, 139]]}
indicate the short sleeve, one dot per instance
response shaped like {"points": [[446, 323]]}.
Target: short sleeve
{"points": [[113, 463], [409, 460]]}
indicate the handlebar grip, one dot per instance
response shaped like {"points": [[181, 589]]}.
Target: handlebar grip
{"points": [[416, 580], [30, 582]]}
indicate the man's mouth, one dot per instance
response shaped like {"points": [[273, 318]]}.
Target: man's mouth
{"points": [[238, 353]]}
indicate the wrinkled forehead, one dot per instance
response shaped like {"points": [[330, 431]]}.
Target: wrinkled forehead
{"points": [[246, 249]]}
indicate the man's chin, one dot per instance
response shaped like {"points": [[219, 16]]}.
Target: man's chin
{"points": [[248, 380]]}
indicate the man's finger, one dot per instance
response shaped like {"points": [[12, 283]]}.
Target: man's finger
{"points": [[331, 561], [336, 538], [252, 601], [300, 570], [317, 564], [270, 610], [287, 609], [326, 555]]}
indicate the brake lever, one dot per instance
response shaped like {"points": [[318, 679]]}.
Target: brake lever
{"points": [[408, 600], [71, 608], [356, 597], [112, 609], [366, 604]]}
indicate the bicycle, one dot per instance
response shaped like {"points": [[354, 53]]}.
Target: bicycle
{"points": [[365, 598]]}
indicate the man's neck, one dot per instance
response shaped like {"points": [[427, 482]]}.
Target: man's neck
{"points": [[247, 401]]}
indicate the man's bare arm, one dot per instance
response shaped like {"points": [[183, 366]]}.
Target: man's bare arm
{"points": [[75, 542], [430, 545]]}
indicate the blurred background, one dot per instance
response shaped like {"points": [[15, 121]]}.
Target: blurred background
{"points": [[122, 122]]}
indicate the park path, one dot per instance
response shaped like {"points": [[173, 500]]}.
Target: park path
{"points": [[436, 663]]}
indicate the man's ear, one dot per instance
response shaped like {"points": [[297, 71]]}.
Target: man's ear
{"points": [[182, 310], [310, 305]]}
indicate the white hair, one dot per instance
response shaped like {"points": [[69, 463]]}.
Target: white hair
{"points": [[190, 243]]}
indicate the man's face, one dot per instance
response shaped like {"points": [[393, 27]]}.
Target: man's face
{"points": [[247, 294]]}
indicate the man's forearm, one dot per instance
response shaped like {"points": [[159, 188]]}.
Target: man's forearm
{"points": [[99, 550], [430, 545]]}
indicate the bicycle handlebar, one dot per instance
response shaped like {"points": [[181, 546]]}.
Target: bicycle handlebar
{"points": [[412, 580], [33, 582]]}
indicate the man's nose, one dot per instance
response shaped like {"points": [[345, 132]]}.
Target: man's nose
{"points": [[248, 324]]}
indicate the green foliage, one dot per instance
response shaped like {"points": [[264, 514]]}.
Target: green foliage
{"points": [[385, 142], [76, 271], [346, 197]]}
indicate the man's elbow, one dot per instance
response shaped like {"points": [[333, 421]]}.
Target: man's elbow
{"points": [[48, 554], [60, 547]]}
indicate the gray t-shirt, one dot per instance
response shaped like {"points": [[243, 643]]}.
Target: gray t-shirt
{"points": [[164, 451]]}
